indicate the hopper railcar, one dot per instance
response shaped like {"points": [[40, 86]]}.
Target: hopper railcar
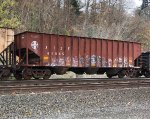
{"points": [[40, 55]]}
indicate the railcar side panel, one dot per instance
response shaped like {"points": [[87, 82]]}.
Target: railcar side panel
{"points": [[120, 54], [87, 52], [34, 42], [46, 50], [21, 40], [131, 60], [125, 46], [137, 50], [75, 52], [99, 53], [61, 51], [110, 53], [116, 54], [71, 51], [93, 52], [104, 53], [68, 51], [81, 52], [54, 50]]}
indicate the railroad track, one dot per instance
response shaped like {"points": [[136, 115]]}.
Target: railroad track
{"points": [[23, 86]]}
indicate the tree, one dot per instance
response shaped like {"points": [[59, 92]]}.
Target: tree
{"points": [[89, 18], [75, 6], [8, 16]]}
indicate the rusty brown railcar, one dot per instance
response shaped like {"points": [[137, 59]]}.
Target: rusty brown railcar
{"points": [[44, 54]]}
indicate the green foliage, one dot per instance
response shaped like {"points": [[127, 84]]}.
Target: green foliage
{"points": [[8, 16], [76, 6]]}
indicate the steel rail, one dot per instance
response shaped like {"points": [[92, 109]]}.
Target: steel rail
{"points": [[72, 84], [75, 80]]}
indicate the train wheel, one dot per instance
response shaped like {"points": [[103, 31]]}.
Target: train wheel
{"points": [[129, 73], [5, 74], [47, 74], [27, 74], [18, 76], [147, 74], [121, 74], [37, 73], [5, 77], [132, 73]]}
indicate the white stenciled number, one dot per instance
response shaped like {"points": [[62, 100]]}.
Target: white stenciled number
{"points": [[34, 45], [68, 48], [61, 48]]}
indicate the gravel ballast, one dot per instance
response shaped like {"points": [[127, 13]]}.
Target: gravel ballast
{"points": [[80, 104]]}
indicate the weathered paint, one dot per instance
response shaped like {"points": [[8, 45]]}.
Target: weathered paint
{"points": [[6, 37], [72, 51]]}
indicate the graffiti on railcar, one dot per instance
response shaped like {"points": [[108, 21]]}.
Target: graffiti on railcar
{"points": [[53, 61], [125, 62], [130, 62], [104, 62], [87, 61], [90, 61], [99, 61], [75, 61], [120, 62], [81, 61], [61, 61], [68, 61], [109, 63], [93, 60]]}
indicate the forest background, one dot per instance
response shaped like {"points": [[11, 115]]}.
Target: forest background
{"points": [[106, 19]]}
